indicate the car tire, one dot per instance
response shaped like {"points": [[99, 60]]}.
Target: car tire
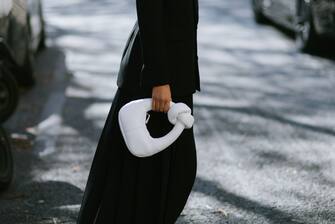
{"points": [[9, 93], [307, 39], [258, 12], [6, 161]]}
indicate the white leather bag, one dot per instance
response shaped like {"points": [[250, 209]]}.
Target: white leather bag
{"points": [[132, 121]]}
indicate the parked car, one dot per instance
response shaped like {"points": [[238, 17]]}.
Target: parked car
{"points": [[22, 34], [311, 20]]}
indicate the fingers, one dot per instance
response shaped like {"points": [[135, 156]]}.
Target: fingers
{"points": [[160, 105], [166, 106], [161, 97], [154, 104]]}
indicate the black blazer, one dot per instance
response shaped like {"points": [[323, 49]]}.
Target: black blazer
{"points": [[162, 48]]}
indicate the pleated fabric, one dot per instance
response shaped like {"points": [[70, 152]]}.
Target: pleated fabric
{"points": [[125, 189]]}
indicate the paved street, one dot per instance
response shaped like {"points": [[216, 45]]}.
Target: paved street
{"points": [[264, 120]]}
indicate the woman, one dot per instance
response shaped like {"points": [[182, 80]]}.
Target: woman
{"points": [[158, 61]]}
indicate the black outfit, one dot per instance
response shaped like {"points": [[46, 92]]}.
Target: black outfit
{"points": [[125, 189], [162, 48]]}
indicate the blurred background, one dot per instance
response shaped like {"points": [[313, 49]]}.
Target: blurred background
{"points": [[264, 119]]}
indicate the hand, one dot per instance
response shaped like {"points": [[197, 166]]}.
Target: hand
{"points": [[161, 97]]}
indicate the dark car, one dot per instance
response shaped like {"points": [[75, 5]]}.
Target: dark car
{"points": [[22, 33], [311, 20]]}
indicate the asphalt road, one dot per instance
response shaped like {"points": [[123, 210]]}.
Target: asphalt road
{"points": [[264, 120]]}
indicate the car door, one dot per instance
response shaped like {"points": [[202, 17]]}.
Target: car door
{"points": [[268, 7], [287, 12], [274, 10], [5, 9], [17, 30]]}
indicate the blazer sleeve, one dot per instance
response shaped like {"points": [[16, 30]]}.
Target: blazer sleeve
{"points": [[150, 17]]}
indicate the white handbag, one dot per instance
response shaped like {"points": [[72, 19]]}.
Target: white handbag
{"points": [[132, 121]]}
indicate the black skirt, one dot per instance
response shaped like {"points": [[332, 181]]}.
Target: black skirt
{"points": [[125, 189]]}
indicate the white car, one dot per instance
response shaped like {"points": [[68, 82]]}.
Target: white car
{"points": [[22, 34]]}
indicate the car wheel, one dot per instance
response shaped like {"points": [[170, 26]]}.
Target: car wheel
{"points": [[9, 96], [257, 9], [6, 161], [306, 37]]}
